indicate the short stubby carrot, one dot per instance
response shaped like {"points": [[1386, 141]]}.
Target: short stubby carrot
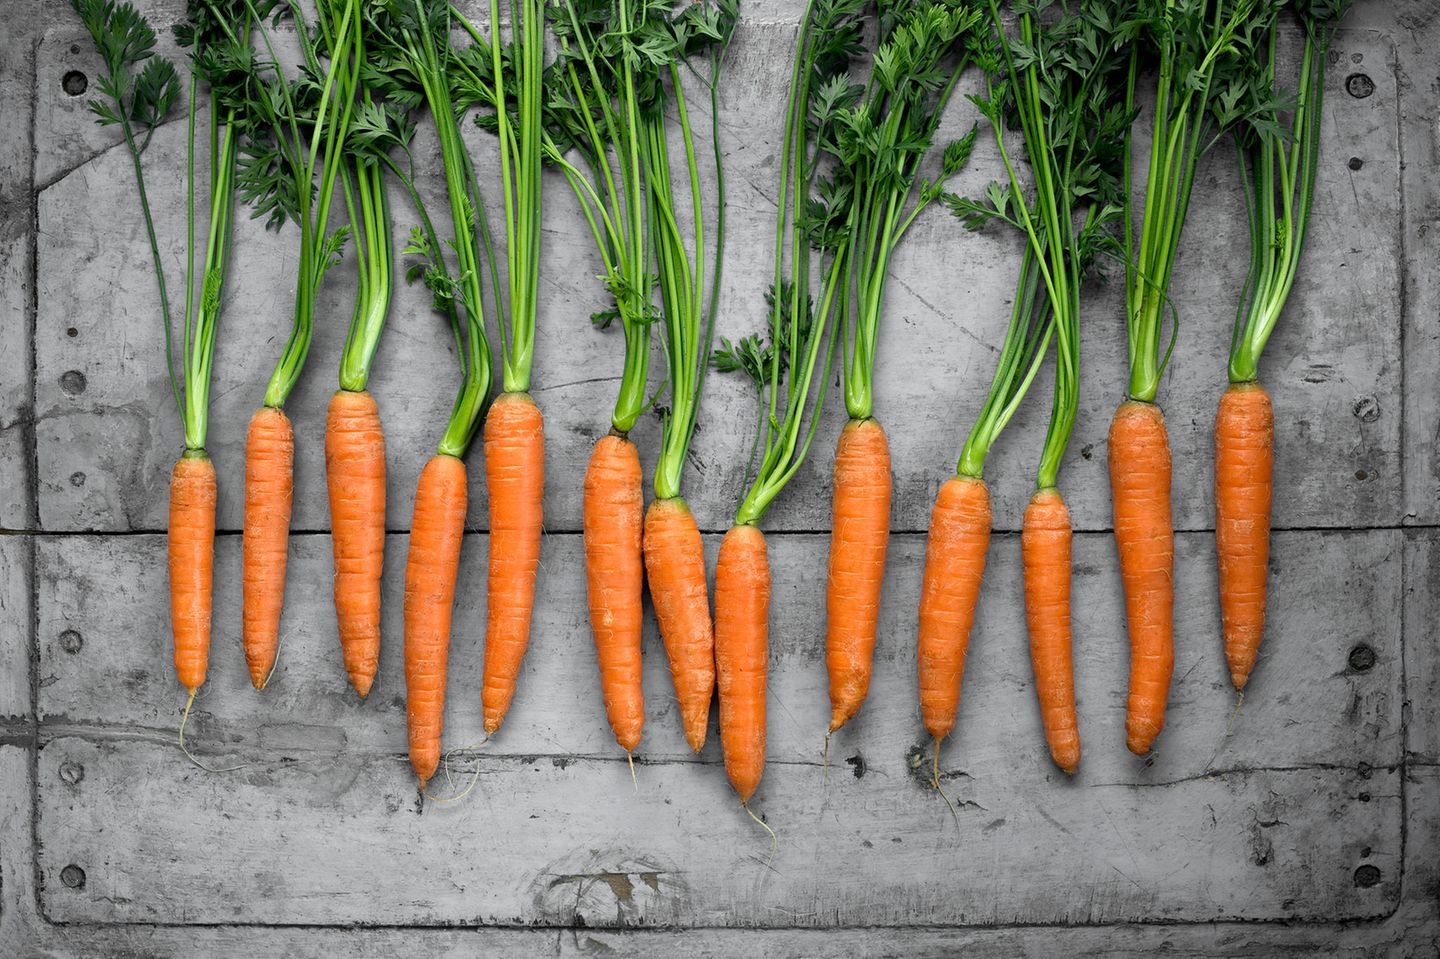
{"points": [[860, 532], [269, 490], [515, 477], [436, 532], [675, 566], [1139, 453], [1244, 466], [614, 508], [190, 544], [742, 653], [1045, 546], [954, 567], [355, 474]]}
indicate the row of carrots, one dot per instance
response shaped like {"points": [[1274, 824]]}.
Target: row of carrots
{"points": [[860, 161]]}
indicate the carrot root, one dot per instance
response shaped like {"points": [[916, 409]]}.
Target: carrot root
{"points": [[675, 567], [1045, 545], [355, 475], [1244, 482], [269, 490], [860, 532], [190, 544], [742, 609]]}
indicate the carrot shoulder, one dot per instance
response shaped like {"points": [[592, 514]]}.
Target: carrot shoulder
{"points": [[1139, 453], [355, 474], [190, 544], [954, 567], [675, 565], [515, 476], [742, 610], [615, 577], [1045, 545], [269, 489], [860, 532], [436, 532], [1244, 478]]}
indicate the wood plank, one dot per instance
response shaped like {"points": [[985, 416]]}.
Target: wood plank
{"points": [[1422, 664], [555, 844], [16, 568], [1334, 382]]}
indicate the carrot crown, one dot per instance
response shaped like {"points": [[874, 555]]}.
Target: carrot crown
{"points": [[1277, 171]]}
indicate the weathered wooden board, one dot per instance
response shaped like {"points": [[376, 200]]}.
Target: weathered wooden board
{"points": [[107, 437], [16, 567]]}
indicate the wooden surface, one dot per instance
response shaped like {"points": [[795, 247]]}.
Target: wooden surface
{"points": [[1306, 822]]}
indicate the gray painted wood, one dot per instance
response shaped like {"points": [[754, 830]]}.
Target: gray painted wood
{"points": [[15, 623]]}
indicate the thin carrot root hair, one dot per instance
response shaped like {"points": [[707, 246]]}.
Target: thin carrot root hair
{"points": [[774, 840], [935, 782], [184, 718]]}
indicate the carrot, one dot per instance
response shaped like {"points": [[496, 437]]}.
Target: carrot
{"points": [[355, 472], [436, 532], [1045, 545], [269, 488], [860, 518], [954, 567], [742, 610], [675, 565], [1139, 453], [515, 476], [1244, 463], [615, 574], [191, 547]]}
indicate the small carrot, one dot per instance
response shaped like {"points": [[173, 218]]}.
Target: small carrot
{"points": [[742, 611], [860, 531], [954, 568], [190, 543], [269, 489], [1139, 453], [436, 532], [1045, 546], [1244, 465], [515, 477], [675, 565], [614, 506], [355, 473]]}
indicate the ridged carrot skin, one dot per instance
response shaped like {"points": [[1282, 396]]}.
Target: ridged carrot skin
{"points": [[954, 567], [190, 544], [614, 510], [1045, 546], [1139, 452], [1244, 478], [355, 474], [742, 652], [860, 532], [515, 476], [675, 567], [436, 532], [269, 491]]}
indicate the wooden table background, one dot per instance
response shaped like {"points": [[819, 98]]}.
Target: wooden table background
{"points": [[1304, 823]]}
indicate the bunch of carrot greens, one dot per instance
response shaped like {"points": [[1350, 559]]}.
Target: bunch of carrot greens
{"points": [[1277, 140], [138, 90], [619, 69]]}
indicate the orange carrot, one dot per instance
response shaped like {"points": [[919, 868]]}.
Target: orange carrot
{"points": [[742, 640], [1045, 545], [954, 566], [269, 488], [1244, 461], [191, 547], [355, 472], [430, 569], [1140, 486], [675, 565], [860, 521], [613, 509], [515, 475]]}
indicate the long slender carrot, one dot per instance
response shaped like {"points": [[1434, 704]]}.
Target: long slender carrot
{"points": [[860, 517], [614, 508], [515, 476], [355, 473], [436, 532], [742, 611], [1045, 545], [1244, 465], [1139, 453], [191, 546], [269, 489], [675, 565], [954, 568]]}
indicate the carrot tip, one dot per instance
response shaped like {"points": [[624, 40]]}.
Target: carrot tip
{"points": [[1239, 679]]}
